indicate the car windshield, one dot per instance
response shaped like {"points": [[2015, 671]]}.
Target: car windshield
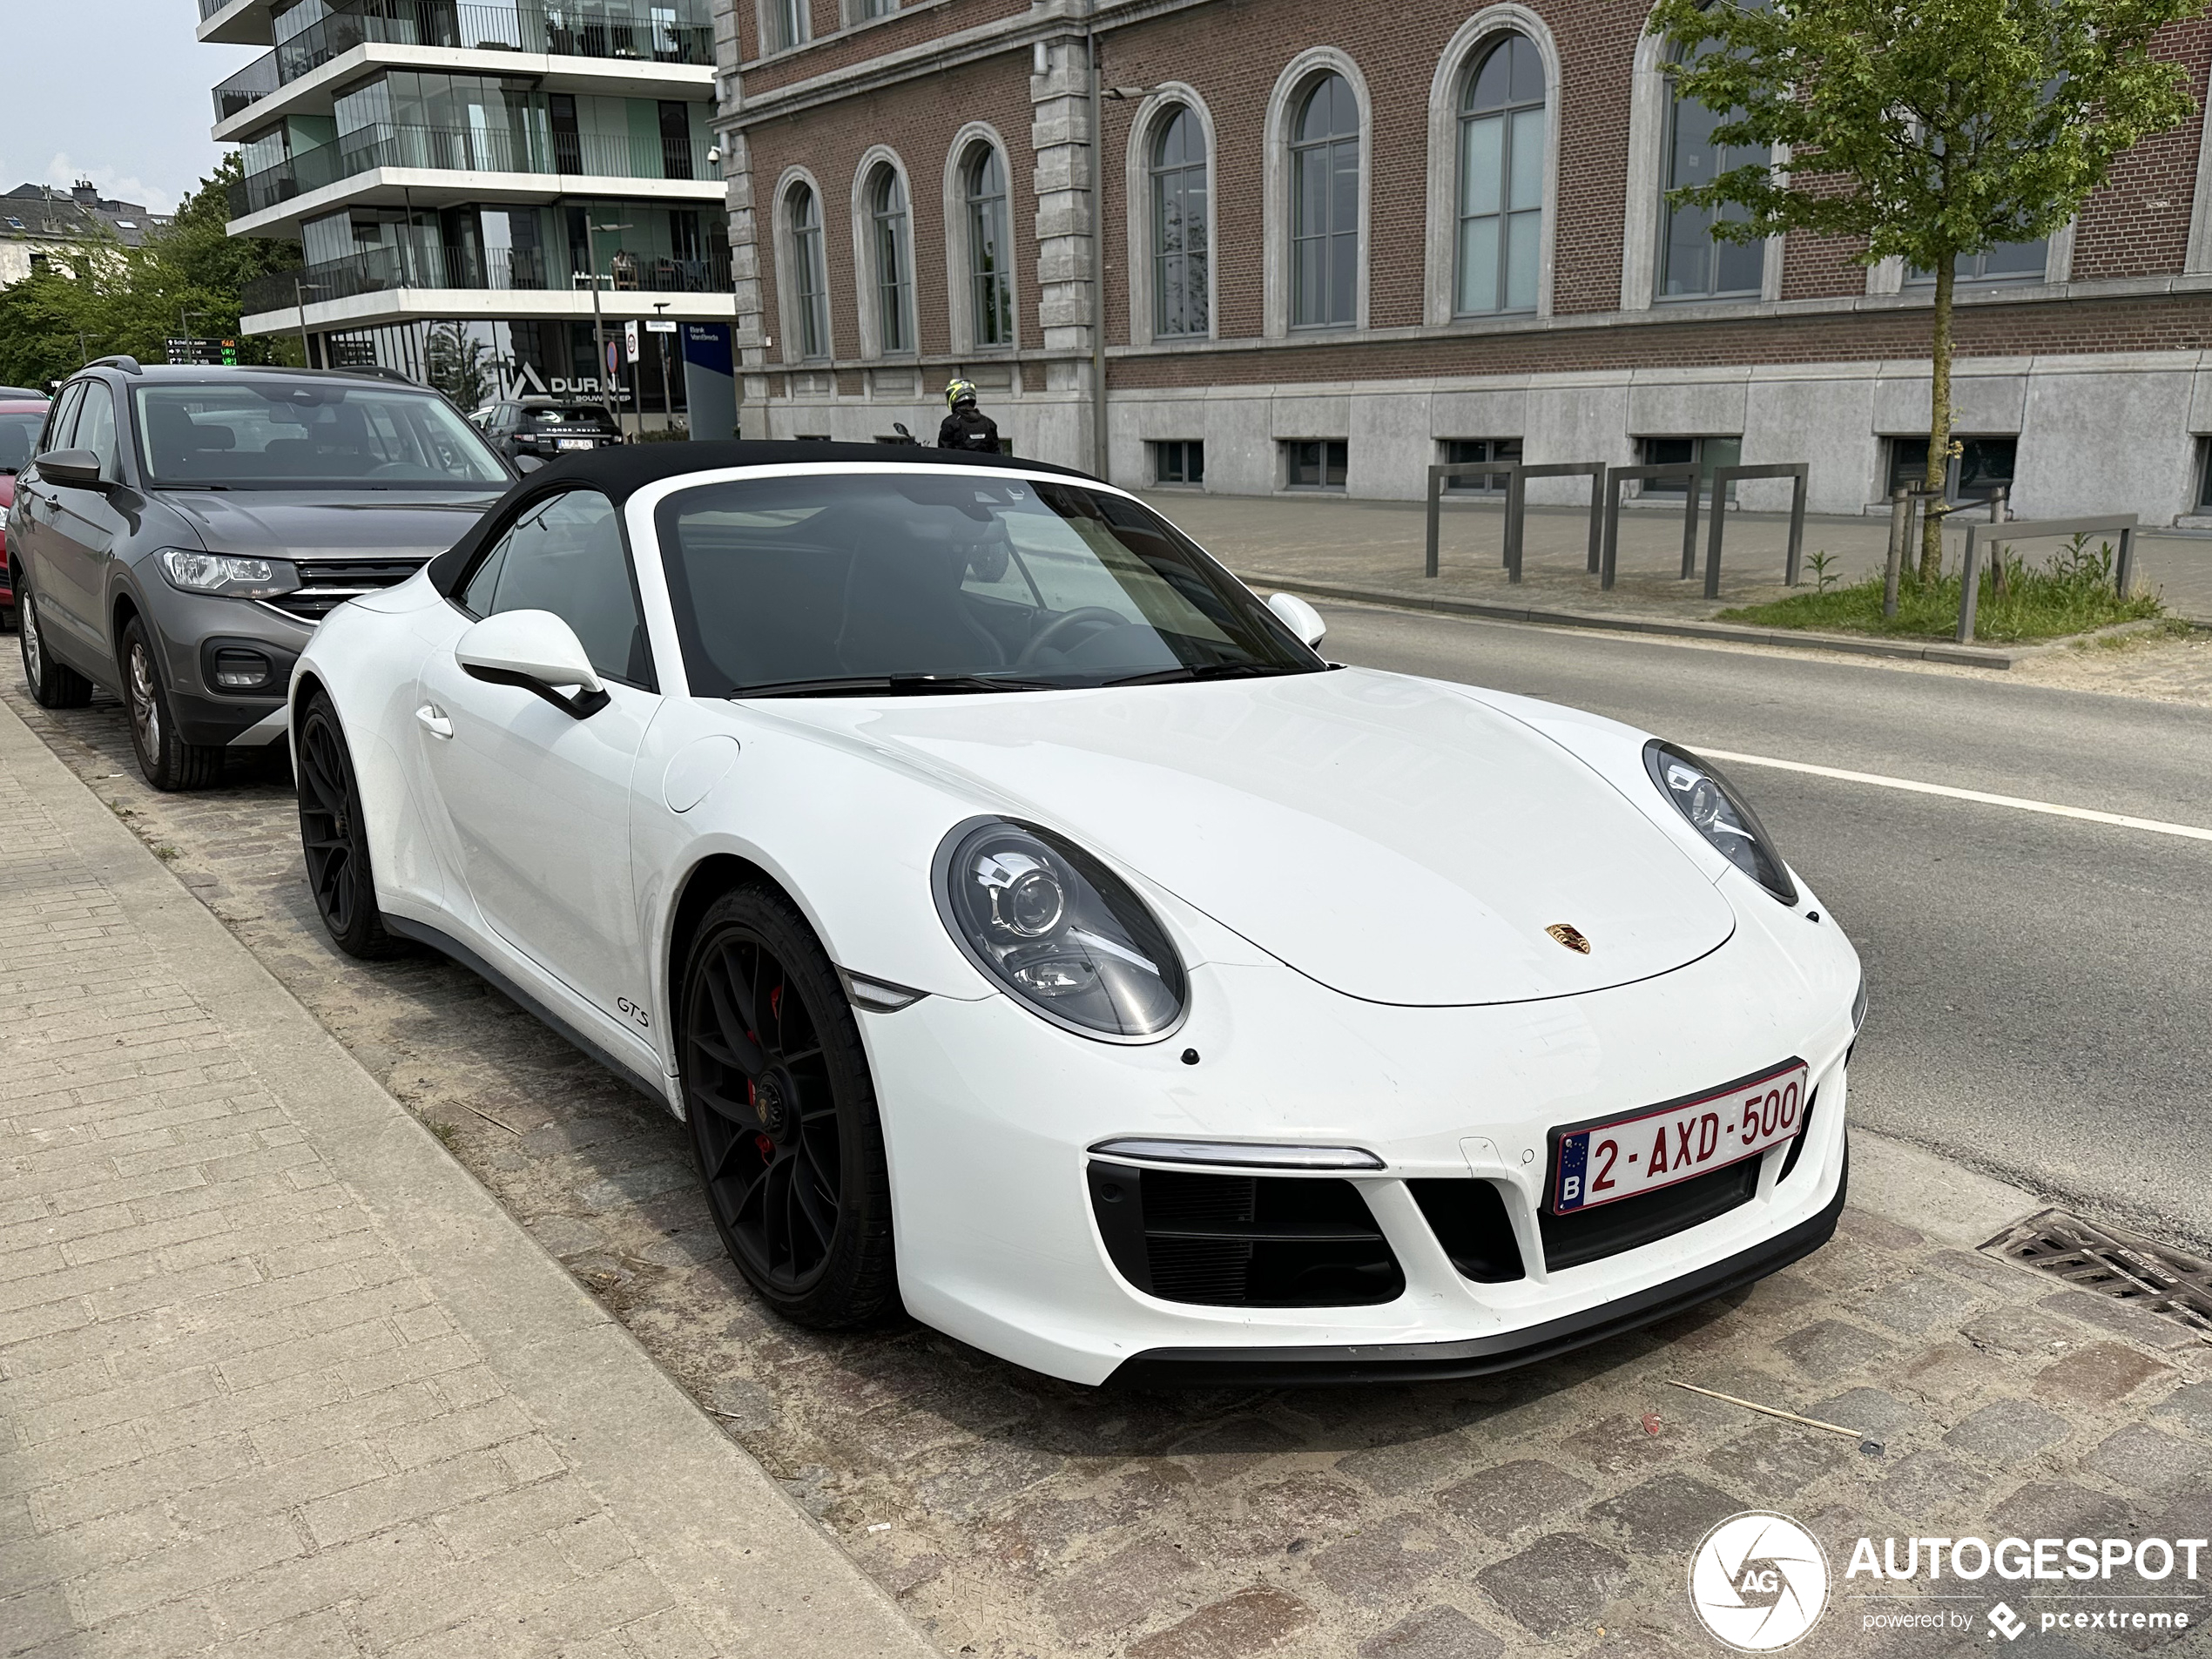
{"points": [[19, 430], [295, 434], [922, 582]]}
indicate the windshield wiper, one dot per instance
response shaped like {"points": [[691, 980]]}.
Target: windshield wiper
{"points": [[891, 685], [1205, 671]]}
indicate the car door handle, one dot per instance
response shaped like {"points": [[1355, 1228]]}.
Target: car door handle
{"points": [[434, 718]]}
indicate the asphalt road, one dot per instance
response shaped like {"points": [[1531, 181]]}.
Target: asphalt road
{"points": [[2041, 987]]}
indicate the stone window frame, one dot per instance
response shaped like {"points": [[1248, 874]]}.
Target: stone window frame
{"points": [[802, 11], [1471, 43], [789, 328], [959, 275], [1650, 98], [868, 288], [1283, 103], [1164, 100]]}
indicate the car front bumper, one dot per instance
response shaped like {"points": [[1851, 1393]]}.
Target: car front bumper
{"points": [[991, 1117]]}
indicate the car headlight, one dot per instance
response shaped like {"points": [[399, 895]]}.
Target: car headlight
{"points": [[1719, 811], [227, 575], [1060, 930]]}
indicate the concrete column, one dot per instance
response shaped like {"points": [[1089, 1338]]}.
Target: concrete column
{"points": [[1066, 174], [749, 304]]}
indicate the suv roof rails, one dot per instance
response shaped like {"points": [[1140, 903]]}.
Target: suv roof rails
{"points": [[123, 361]]}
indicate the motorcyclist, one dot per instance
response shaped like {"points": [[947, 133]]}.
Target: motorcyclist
{"points": [[967, 426]]}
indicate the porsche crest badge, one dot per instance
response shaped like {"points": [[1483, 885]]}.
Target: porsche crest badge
{"points": [[1569, 935]]}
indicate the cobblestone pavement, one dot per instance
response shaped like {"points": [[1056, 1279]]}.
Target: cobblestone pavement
{"points": [[1551, 1511], [253, 1398]]}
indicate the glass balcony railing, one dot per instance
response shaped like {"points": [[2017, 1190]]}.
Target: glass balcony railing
{"points": [[463, 150], [426, 266], [592, 31]]}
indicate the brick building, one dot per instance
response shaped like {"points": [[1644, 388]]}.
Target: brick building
{"points": [[1339, 243]]}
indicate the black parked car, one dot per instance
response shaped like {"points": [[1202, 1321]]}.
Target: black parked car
{"points": [[546, 429], [182, 530]]}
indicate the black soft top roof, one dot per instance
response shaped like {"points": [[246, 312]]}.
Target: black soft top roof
{"points": [[619, 473]]}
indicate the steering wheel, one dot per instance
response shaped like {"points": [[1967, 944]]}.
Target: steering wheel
{"points": [[1059, 625]]}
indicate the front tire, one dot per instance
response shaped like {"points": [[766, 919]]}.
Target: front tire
{"points": [[167, 760], [53, 684], [783, 1115], [335, 841]]}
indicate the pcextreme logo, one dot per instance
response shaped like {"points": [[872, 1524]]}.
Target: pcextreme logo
{"points": [[1759, 1582]]}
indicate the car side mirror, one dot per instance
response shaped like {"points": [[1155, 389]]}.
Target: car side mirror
{"points": [[527, 464], [1299, 617], [80, 468], [537, 651]]}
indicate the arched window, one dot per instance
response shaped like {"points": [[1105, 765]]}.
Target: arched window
{"points": [[1501, 179], [894, 245], [1181, 226], [990, 275], [811, 285], [1325, 206], [1693, 262]]}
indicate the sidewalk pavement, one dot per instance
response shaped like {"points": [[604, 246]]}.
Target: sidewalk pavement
{"points": [[1381, 545], [1547, 1513], [276, 1376]]}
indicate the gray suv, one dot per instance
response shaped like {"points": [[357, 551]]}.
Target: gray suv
{"points": [[183, 531]]}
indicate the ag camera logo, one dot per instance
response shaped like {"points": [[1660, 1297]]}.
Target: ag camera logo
{"points": [[1759, 1582]]}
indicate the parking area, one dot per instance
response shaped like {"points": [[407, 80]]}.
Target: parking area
{"points": [[1553, 1511]]}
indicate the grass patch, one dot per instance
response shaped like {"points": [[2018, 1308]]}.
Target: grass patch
{"points": [[2071, 593]]}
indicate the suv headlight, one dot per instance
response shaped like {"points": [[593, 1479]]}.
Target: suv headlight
{"points": [[1719, 811], [1060, 930], [227, 575]]}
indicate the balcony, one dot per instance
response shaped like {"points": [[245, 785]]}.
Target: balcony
{"points": [[462, 150], [560, 32], [384, 269]]}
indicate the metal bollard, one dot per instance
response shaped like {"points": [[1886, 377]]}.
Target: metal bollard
{"points": [[1900, 527], [1999, 512]]}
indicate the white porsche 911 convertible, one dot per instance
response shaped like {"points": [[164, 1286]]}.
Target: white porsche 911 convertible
{"points": [[1034, 929]]}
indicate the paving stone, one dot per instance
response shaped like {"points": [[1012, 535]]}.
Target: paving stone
{"points": [[992, 1473], [1256, 1621], [2007, 1431], [1668, 1512], [2098, 1375], [2124, 1319], [2008, 1279], [1922, 1303], [1560, 1582], [1829, 1349], [1504, 1499], [1927, 1487], [1406, 1466], [1388, 1561], [1118, 1591], [2061, 1509], [1433, 1632], [2022, 1330], [1871, 1229], [1625, 1445], [2191, 1406], [2139, 1459], [1775, 1463], [1868, 1410]]}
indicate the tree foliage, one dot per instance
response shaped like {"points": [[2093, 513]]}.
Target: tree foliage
{"points": [[1932, 128], [100, 297]]}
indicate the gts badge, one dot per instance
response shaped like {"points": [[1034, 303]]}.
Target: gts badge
{"points": [[634, 1013]]}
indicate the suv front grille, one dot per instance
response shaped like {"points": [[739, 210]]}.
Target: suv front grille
{"points": [[1242, 1240], [330, 583]]}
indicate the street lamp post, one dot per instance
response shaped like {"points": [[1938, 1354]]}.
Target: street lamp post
{"points": [[300, 309], [598, 321], [660, 350]]}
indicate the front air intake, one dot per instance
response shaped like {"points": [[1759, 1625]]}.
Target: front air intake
{"points": [[1242, 1240]]}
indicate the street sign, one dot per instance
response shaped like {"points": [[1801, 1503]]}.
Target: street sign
{"points": [[350, 354], [191, 348], [629, 339], [660, 325], [614, 359]]}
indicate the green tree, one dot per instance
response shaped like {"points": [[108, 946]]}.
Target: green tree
{"points": [[1933, 129], [100, 297], [459, 364]]}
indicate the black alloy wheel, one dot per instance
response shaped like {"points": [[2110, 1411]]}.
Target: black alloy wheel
{"points": [[53, 684], [334, 839], [783, 1115], [167, 760]]}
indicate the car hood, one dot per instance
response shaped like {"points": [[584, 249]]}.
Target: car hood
{"points": [[1388, 837], [322, 524]]}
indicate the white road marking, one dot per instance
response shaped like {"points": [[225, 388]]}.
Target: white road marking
{"points": [[2156, 827]]}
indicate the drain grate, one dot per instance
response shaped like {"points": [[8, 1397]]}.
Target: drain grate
{"points": [[2125, 1266]]}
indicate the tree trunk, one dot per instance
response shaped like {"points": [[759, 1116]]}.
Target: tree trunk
{"points": [[1939, 425]]}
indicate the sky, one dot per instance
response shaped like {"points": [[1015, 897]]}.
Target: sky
{"points": [[115, 92]]}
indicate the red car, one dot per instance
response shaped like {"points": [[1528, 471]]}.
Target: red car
{"points": [[20, 422]]}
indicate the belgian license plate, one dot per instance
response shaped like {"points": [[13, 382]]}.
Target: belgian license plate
{"points": [[575, 443], [1603, 1162]]}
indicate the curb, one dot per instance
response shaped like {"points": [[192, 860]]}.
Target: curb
{"points": [[1930, 651]]}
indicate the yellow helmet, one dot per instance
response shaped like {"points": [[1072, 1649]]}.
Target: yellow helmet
{"points": [[957, 391]]}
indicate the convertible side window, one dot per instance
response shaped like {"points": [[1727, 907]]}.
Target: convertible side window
{"points": [[565, 556]]}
